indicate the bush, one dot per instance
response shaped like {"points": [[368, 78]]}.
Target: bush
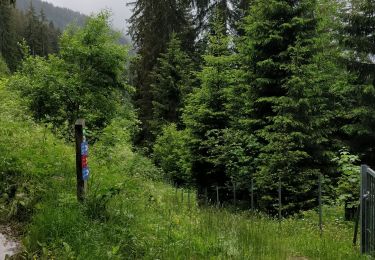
{"points": [[172, 154], [349, 181], [29, 156]]}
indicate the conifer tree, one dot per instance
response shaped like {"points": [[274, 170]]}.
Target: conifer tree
{"points": [[32, 31], [293, 88], [205, 115], [8, 37], [172, 81], [53, 37], [359, 42], [151, 27], [233, 11], [43, 34]]}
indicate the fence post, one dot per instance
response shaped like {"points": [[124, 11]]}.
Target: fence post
{"points": [[356, 224], [363, 208], [188, 198], [79, 139], [320, 204], [280, 198], [217, 196], [252, 193], [206, 195], [234, 194]]}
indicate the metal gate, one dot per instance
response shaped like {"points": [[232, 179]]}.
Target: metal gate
{"points": [[367, 210]]}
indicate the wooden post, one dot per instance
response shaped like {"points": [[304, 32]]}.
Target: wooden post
{"points": [[320, 205], [252, 193], [363, 208], [356, 225], [189, 198], [279, 198], [205, 196], [217, 196], [234, 194], [79, 138]]}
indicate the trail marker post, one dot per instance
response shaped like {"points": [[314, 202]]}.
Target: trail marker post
{"points": [[81, 159]]}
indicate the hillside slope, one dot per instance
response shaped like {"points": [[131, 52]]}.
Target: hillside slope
{"points": [[128, 213], [61, 17]]}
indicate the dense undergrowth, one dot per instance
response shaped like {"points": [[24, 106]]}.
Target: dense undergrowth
{"points": [[130, 213]]}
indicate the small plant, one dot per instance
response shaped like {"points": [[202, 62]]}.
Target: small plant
{"points": [[96, 206], [348, 184], [171, 153]]}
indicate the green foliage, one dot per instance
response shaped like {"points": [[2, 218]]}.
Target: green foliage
{"points": [[233, 10], [8, 39], [4, 71], [349, 180], [86, 79], [292, 88], [205, 109], [173, 80], [358, 54], [30, 156], [16, 26], [236, 150], [151, 27], [128, 216], [172, 154]]}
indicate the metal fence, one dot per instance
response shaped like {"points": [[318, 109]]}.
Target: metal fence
{"points": [[367, 205]]}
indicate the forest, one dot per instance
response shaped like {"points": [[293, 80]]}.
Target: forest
{"points": [[222, 132]]}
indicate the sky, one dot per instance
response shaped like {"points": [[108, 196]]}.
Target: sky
{"points": [[120, 11]]}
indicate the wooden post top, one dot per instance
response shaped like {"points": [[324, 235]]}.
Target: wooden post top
{"points": [[80, 122]]}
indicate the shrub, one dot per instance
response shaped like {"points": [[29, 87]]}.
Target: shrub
{"points": [[29, 156], [349, 181], [171, 153]]}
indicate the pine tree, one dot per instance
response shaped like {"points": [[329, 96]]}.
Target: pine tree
{"points": [[32, 31], [359, 43], [293, 88], [53, 37], [205, 115], [43, 34], [173, 80], [233, 11], [8, 37], [151, 27]]}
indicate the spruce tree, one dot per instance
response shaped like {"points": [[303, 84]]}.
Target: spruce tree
{"points": [[233, 11], [151, 27], [292, 98], [172, 80], [359, 42], [8, 37], [43, 34], [205, 115], [32, 31]]}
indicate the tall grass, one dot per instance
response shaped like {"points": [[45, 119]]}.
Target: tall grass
{"points": [[130, 213]]}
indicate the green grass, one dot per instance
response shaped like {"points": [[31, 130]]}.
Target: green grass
{"points": [[129, 213]]}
